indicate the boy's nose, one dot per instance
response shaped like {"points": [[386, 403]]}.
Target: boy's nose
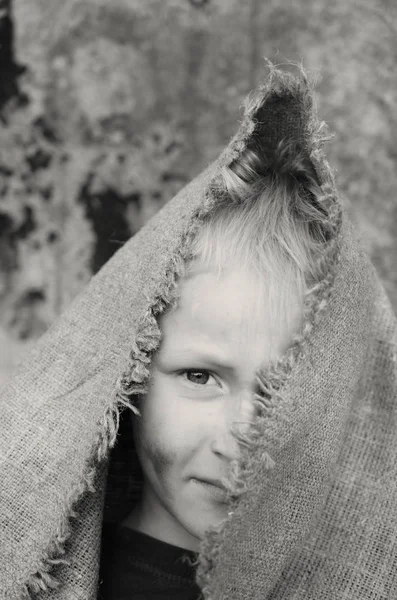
{"points": [[237, 414]]}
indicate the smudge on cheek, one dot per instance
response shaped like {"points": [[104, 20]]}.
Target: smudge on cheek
{"points": [[157, 458], [160, 458]]}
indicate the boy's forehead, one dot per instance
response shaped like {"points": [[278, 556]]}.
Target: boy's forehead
{"points": [[225, 300], [230, 312]]}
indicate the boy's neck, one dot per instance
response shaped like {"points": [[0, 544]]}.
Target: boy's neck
{"points": [[159, 527]]}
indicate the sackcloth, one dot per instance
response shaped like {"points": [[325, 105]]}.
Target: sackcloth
{"points": [[314, 510]]}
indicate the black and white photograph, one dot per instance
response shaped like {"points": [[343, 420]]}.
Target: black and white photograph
{"points": [[198, 300]]}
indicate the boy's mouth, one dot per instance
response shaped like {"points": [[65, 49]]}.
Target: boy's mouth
{"points": [[213, 487], [212, 481]]}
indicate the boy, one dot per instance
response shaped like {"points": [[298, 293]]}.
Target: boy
{"points": [[238, 307]]}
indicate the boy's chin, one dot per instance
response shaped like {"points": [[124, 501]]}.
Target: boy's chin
{"points": [[200, 517]]}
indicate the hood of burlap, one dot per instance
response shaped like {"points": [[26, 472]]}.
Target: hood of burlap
{"points": [[313, 513]]}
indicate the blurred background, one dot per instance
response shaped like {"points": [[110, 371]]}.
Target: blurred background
{"points": [[109, 107]]}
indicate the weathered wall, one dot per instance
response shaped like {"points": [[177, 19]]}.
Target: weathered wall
{"points": [[123, 102]]}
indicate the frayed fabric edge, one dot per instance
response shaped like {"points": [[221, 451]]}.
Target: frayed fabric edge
{"points": [[272, 380], [132, 382], [252, 444]]}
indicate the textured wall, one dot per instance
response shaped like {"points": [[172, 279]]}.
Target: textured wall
{"points": [[123, 102]]}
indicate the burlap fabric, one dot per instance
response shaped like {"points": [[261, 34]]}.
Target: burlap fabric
{"points": [[315, 511]]}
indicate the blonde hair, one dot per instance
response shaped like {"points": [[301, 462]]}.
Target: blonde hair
{"points": [[268, 221]]}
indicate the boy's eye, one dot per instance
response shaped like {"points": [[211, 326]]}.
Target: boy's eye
{"points": [[199, 377]]}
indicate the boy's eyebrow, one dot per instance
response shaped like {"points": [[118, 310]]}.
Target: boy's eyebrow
{"points": [[205, 357]]}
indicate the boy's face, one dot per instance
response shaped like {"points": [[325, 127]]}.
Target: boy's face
{"points": [[203, 378]]}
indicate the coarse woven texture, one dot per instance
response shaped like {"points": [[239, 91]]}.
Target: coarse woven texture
{"points": [[314, 512]]}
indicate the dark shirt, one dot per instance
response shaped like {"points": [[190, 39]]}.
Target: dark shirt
{"points": [[136, 566]]}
